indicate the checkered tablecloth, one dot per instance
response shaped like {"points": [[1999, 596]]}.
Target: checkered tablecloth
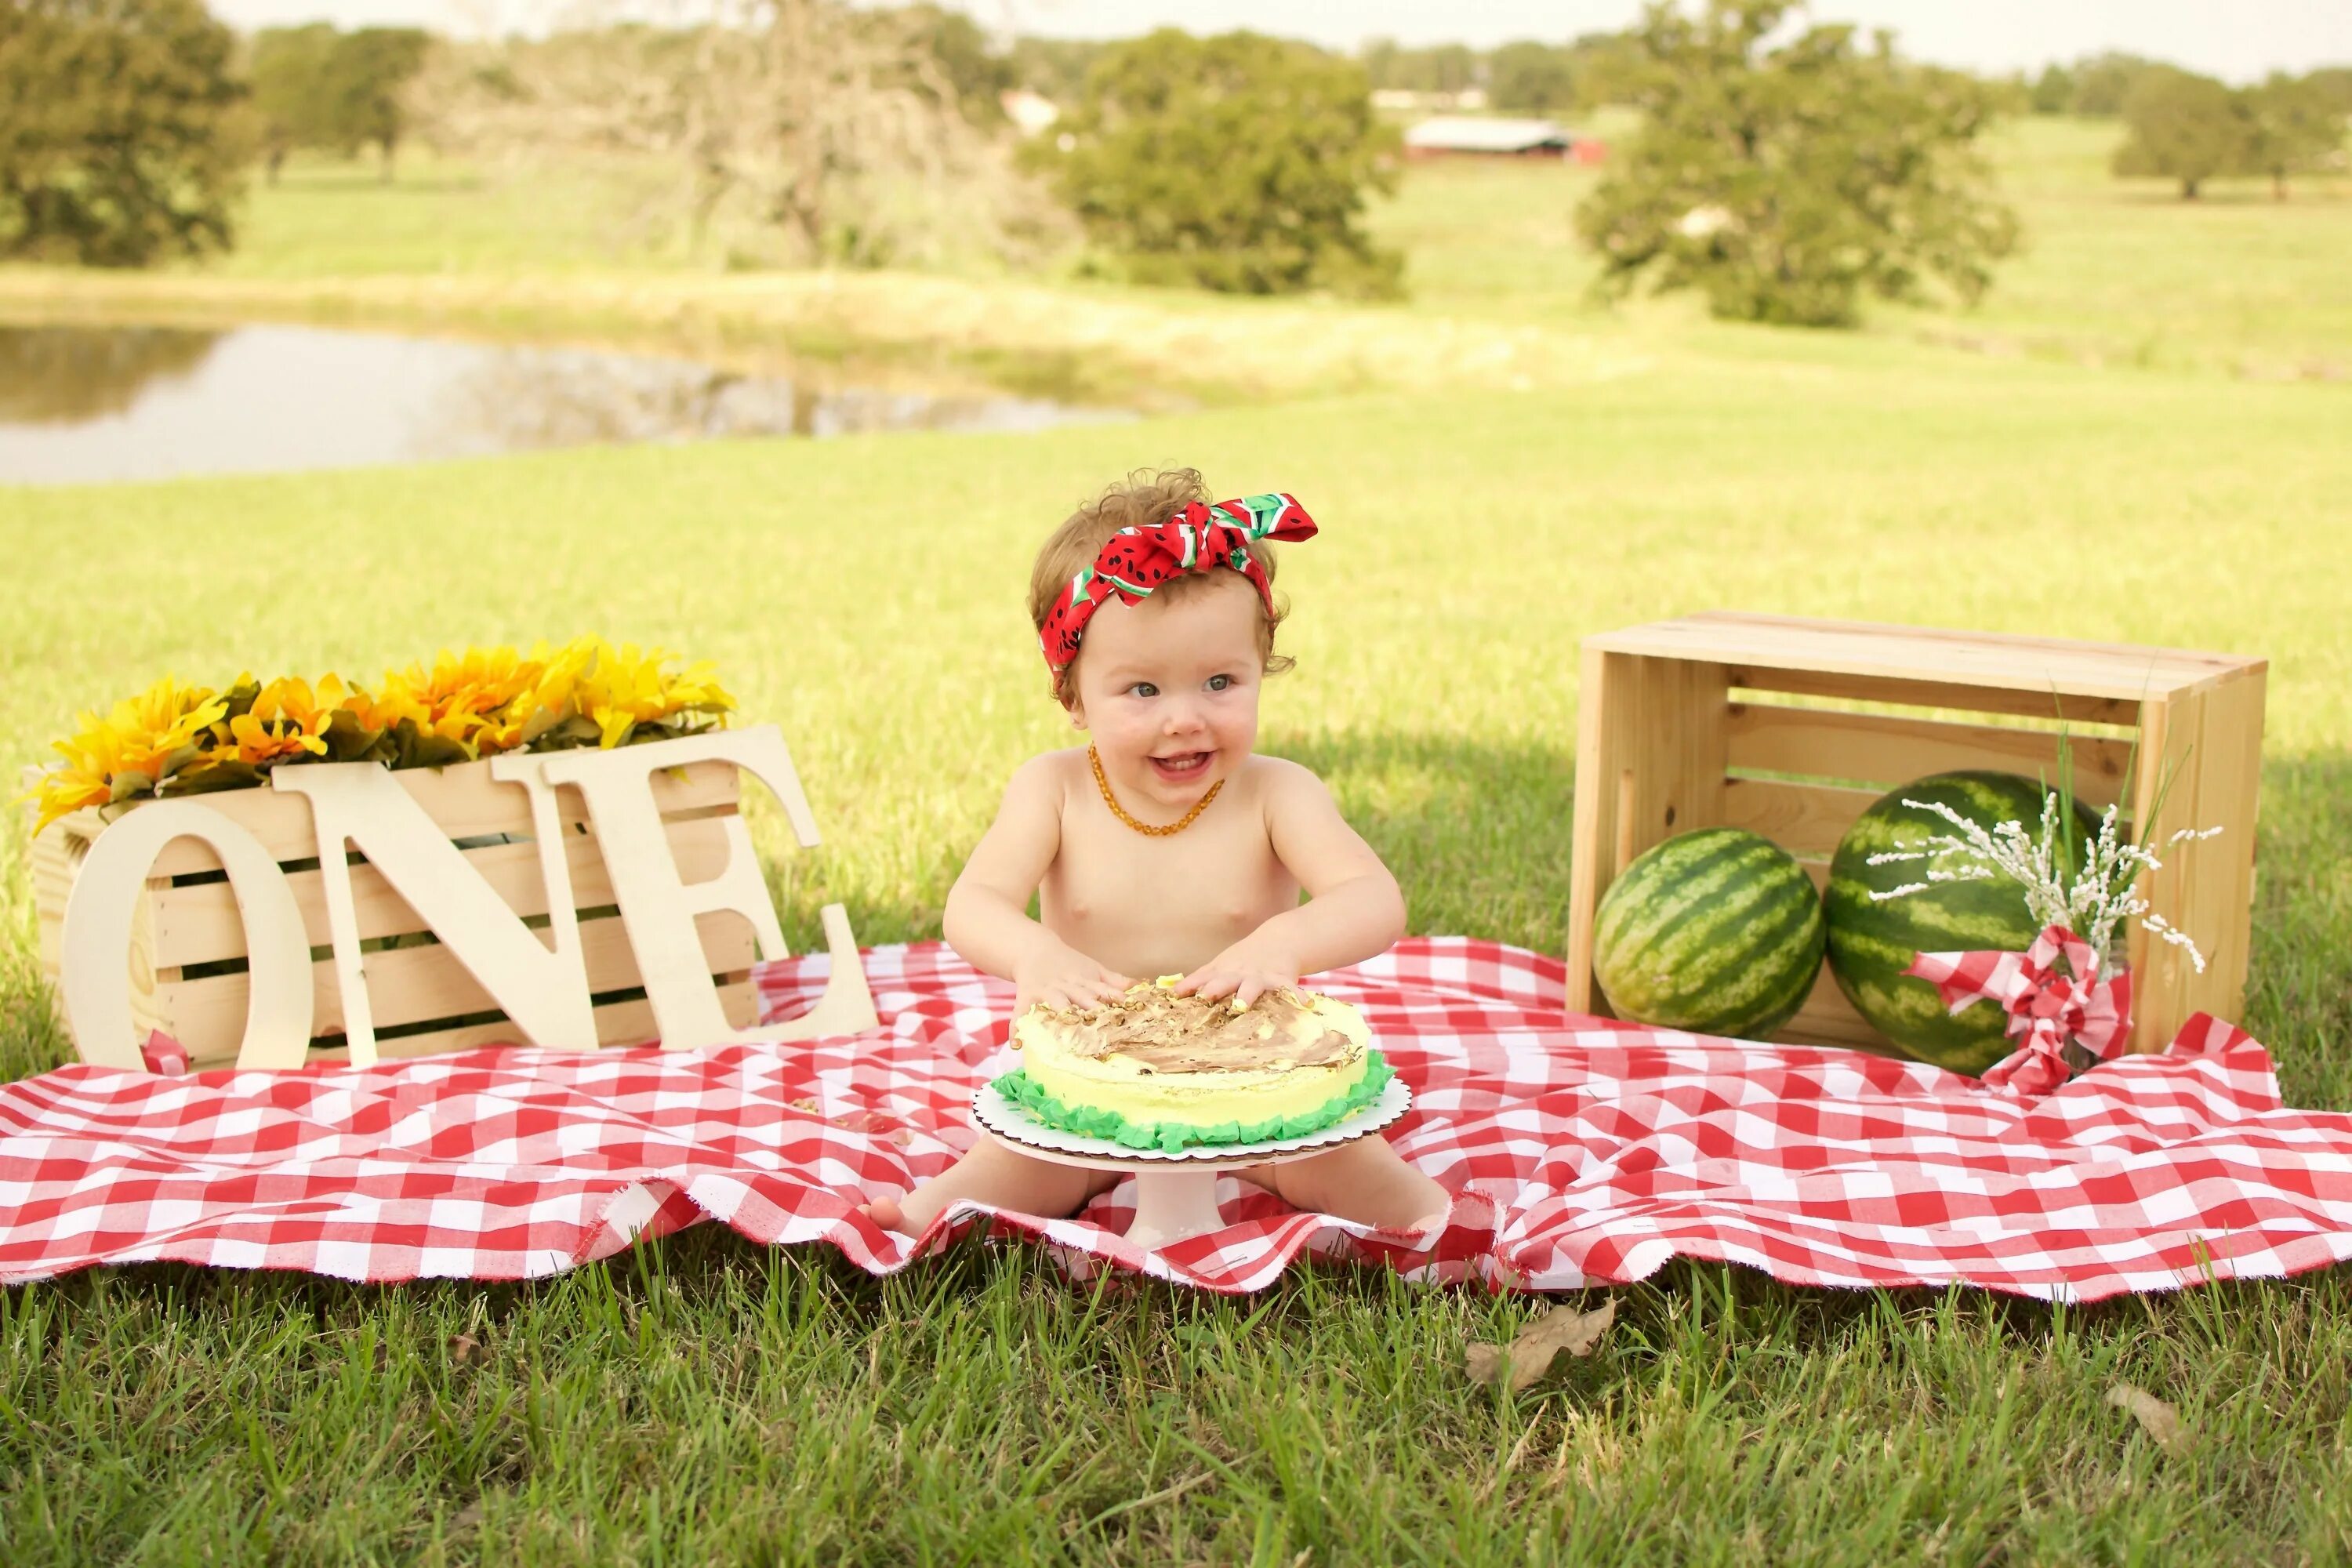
{"points": [[1577, 1152]]}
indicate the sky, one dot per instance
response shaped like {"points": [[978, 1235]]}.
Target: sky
{"points": [[2238, 41]]}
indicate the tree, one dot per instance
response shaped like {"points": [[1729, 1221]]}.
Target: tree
{"points": [[1783, 182], [287, 74], [2298, 126], [953, 42], [1608, 68], [1446, 69], [1237, 163], [2185, 127], [123, 130], [2053, 90], [316, 86], [2102, 82], [367, 72], [808, 121], [1055, 68], [2332, 83], [1531, 78]]}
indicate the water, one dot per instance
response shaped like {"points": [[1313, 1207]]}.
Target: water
{"points": [[94, 404]]}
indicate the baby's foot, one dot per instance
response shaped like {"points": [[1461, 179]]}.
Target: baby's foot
{"points": [[886, 1212]]}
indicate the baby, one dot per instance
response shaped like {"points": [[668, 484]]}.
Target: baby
{"points": [[1166, 847]]}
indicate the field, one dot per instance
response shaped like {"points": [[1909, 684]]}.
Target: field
{"points": [[2110, 449]]}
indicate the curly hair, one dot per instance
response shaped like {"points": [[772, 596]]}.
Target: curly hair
{"points": [[1142, 499]]}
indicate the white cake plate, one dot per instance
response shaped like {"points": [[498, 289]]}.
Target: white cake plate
{"points": [[1175, 1195]]}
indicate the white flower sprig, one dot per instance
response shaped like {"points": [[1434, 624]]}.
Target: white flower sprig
{"points": [[2102, 896]]}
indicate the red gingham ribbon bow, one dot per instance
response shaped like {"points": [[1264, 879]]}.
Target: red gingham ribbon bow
{"points": [[2046, 1007]]}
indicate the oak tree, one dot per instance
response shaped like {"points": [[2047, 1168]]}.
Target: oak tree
{"points": [[1785, 180], [123, 132], [1238, 163], [2181, 126]]}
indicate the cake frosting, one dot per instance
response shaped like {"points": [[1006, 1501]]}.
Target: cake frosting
{"points": [[1150, 1068]]}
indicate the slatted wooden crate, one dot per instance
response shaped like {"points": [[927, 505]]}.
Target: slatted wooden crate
{"points": [[1792, 728], [187, 962]]}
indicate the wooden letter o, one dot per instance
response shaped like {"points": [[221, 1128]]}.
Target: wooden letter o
{"points": [[96, 944]]}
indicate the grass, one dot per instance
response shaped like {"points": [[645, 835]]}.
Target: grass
{"points": [[707, 1402], [704, 1400], [2112, 272]]}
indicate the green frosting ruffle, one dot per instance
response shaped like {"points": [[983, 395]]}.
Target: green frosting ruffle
{"points": [[1174, 1137]]}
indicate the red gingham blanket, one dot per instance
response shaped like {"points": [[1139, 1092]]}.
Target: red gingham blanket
{"points": [[1580, 1151]]}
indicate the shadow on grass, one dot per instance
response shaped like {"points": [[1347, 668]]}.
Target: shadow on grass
{"points": [[2299, 984], [1478, 832], [32, 1034]]}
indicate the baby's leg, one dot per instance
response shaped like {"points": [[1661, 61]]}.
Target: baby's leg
{"points": [[1001, 1177], [1365, 1180]]}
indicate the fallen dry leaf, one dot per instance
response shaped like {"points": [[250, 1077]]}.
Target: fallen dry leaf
{"points": [[1531, 1355], [2156, 1418]]}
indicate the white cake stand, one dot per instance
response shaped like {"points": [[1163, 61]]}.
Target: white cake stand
{"points": [[1175, 1195]]}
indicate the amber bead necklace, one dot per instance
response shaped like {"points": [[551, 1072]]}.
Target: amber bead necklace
{"points": [[1102, 782]]}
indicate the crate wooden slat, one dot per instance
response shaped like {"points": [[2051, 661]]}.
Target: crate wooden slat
{"points": [[1992, 661], [1946, 694], [1639, 781], [1885, 749], [199, 924], [2205, 888], [188, 919], [1806, 820], [465, 801], [419, 984], [617, 1024], [1672, 736]]}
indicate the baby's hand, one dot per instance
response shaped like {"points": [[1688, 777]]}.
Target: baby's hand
{"points": [[1061, 976], [1246, 971]]}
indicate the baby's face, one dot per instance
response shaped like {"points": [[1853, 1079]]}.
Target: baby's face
{"points": [[1169, 688]]}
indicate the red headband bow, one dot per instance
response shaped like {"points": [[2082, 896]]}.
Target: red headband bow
{"points": [[1135, 560]]}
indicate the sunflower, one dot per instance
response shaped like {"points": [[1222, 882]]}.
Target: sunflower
{"points": [[143, 740], [457, 710], [174, 740], [539, 714], [625, 689], [288, 721]]}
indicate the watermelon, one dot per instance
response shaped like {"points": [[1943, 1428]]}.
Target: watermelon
{"points": [[1871, 944], [1719, 931]]}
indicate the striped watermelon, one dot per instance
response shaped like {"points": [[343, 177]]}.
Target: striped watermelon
{"points": [[1719, 931], [1871, 944]]}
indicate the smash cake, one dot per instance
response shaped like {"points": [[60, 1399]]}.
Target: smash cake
{"points": [[1151, 1069]]}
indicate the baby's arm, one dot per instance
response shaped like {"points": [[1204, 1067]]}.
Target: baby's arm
{"points": [[987, 918], [1353, 912]]}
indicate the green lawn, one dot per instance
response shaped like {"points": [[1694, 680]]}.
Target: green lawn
{"points": [[705, 1400], [2112, 271]]}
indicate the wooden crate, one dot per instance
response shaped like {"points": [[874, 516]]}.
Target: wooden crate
{"points": [[187, 960], [1792, 728]]}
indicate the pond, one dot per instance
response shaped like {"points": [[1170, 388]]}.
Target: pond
{"points": [[91, 404]]}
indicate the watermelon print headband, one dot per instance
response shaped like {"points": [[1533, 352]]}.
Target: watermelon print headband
{"points": [[1135, 560]]}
